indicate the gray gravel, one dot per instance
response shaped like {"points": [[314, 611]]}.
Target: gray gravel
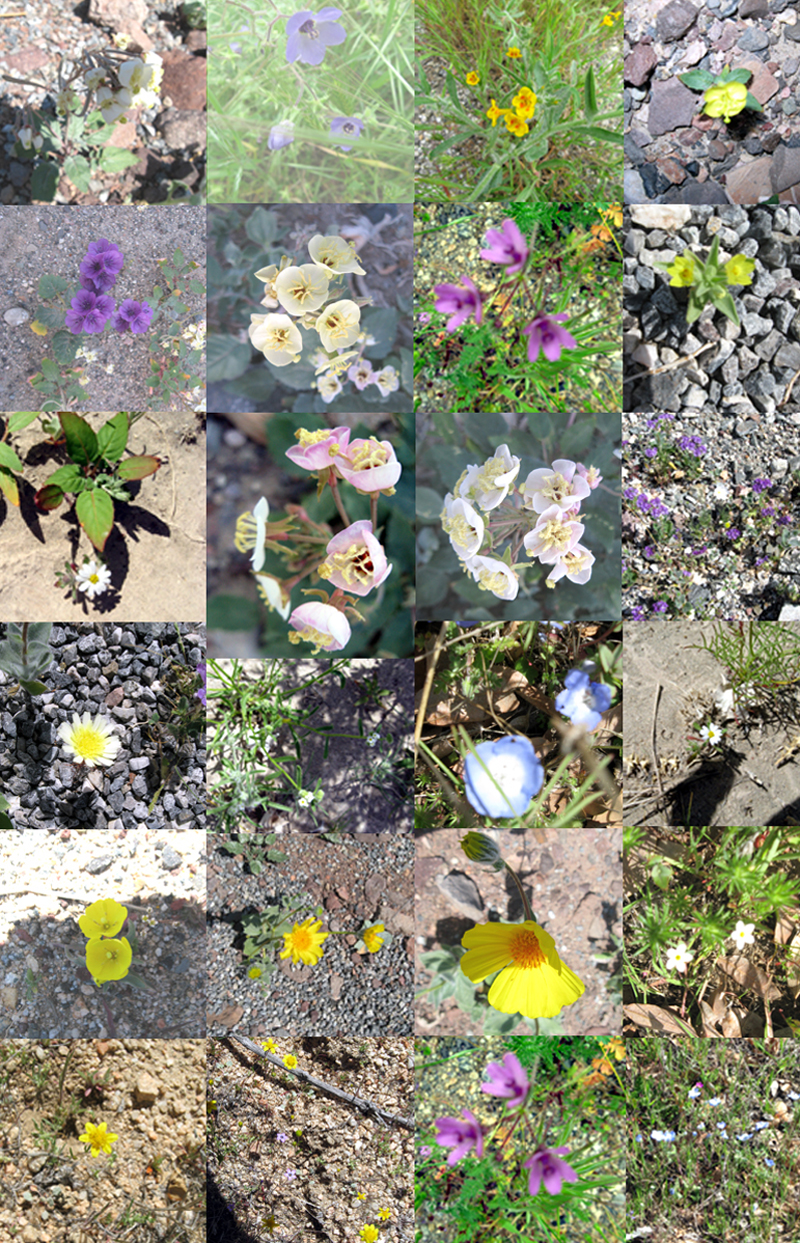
{"points": [[117, 671], [746, 371]]}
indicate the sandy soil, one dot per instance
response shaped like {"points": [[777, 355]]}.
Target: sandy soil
{"points": [[156, 551]]}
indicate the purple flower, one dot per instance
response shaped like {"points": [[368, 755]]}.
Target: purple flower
{"points": [[650, 452], [281, 135], [101, 284], [200, 693], [649, 550], [133, 316], [282, 1137], [460, 1135], [660, 606], [311, 34], [507, 1079], [583, 701], [637, 614], [693, 445], [103, 263], [507, 246], [459, 302], [547, 1167], [425, 1150], [291, 1174], [351, 127], [768, 511], [89, 312], [761, 485], [733, 534], [546, 334]]}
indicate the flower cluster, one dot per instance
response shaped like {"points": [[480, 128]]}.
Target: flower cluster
{"points": [[679, 957], [309, 297], [106, 957], [305, 941], [92, 307], [354, 561], [506, 246], [542, 518]]}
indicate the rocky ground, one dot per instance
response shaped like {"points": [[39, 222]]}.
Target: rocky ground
{"points": [[749, 371], [676, 154]]}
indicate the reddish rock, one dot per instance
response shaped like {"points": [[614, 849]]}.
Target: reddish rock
{"points": [[763, 85], [124, 134], [725, 42], [754, 8], [672, 106], [196, 41], [640, 64], [675, 19], [124, 16], [672, 170], [792, 195], [25, 62], [184, 83], [748, 184], [718, 150]]}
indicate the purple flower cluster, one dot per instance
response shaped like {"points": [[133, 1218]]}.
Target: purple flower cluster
{"points": [[647, 504], [101, 267], [693, 445], [92, 307], [133, 316], [89, 312], [654, 422], [761, 485]]}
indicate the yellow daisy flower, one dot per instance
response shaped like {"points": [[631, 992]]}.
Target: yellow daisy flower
{"points": [[99, 1137], [372, 938], [304, 942]]}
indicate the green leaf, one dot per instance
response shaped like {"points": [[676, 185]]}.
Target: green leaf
{"points": [[697, 79], [724, 302], [22, 419], [233, 613], [68, 478], [381, 323], [50, 316], [261, 226], [451, 90], [742, 76], [113, 437], [661, 874], [138, 467], [589, 95], [177, 257], [51, 286], [597, 132], [694, 309], [752, 102], [95, 512], [429, 505], [114, 159], [81, 440], [44, 182], [50, 371], [713, 257], [34, 688], [197, 288], [227, 358], [8, 457], [9, 485], [65, 346], [78, 169], [49, 497]]}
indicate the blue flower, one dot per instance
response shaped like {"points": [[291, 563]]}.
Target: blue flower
{"points": [[583, 701], [281, 135], [350, 127], [311, 34], [516, 769]]}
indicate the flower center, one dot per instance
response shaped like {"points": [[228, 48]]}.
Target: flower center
{"points": [[94, 578], [309, 30], [486, 480], [88, 742], [556, 534], [508, 770], [355, 565], [525, 949], [310, 635], [489, 581], [302, 939], [556, 488], [368, 455]]}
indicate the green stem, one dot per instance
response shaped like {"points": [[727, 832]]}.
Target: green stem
{"points": [[523, 896]]}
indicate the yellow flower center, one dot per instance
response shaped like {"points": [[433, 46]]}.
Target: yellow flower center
{"points": [[310, 635], [355, 565], [525, 949], [489, 581], [556, 534], [368, 455], [88, 742], [556, 488], [301, 939]]}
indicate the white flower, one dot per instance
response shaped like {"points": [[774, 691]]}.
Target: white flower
{"points": [[301, 289], [277, 337], [251, 532], [488, 485], [328, 387], [305, 799], [274, 595], [679, 958], [112, 104], [743, 934], [89, 356], [94, 78], [711, 734], [94, 579], [334, 254], [387, 381], [66, 100], [495, 576], [721, 492], [339, 324], [373, 740], [463, 525], [25, 137], [90, 740]]}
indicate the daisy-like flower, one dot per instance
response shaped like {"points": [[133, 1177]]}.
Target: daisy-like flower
{"points": [[373, 740], [99, 1137], [679, 958], [108, 960], [269, 1046], [254, 973], [743, 934], [103, 918], [711, 734], [372, 938], [94, 579], [90, 740], [304, 942], [251, 532], [533, 980], [384, 1214], [290, 1061]]}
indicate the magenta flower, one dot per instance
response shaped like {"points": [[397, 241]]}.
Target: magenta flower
{"points": [[460, 1135], [547, 1167], [349, 127], [311, 34], [133, 316], [507, 1078], [89, 312], [547, 335], [507, 246], [459, 302]]}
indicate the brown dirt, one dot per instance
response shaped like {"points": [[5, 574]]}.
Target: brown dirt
{"points": [[156, 551]]}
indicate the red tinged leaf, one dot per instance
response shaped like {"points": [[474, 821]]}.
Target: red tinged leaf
{"points": [[138, 467], [49, 497]]}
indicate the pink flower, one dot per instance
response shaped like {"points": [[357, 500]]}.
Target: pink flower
{"points": [[555, 486], [576, 565], [506, 245], [361, 374], [320, 624], [555, 534], [317, 450], [591, 474], [508, 1079], [459, 302], [547, 335], [370, 465], [355, 560], [460, 1135], [547, 1167]]}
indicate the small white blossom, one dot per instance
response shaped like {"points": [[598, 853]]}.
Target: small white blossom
{"points": [[743, 934], [711, 734], [679, 958]]}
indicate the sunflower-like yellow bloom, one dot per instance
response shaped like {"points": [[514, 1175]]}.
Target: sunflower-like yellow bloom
{"points": [[304, 942], [533, 980], [372, 938]]}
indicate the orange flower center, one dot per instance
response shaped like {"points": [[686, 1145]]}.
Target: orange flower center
{"points": [[525, 949]]}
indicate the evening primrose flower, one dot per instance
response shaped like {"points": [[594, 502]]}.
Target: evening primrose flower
{"points": [[533, 980], [317, 450], [681, 270], [560, 484], [355, 560], [301, 289], [328, 387], [679, 958], [320, 624], [463, 525], [274, 594], [556, 533], [90, 740], [370, 466], [739, 270], [103, 918], [494, 576], [387, 380], [725, 100], [334, 254], [99, 1137], [339, 324], [251, 532], [277, 337], [576, 565], [304, 942], [108, 960]]}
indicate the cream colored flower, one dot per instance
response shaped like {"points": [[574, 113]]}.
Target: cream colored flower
{"points": [[302, 289], [339, 324], [277, 337], [90, 740], [334, 254]]}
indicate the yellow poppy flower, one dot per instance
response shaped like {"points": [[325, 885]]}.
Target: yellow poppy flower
{"points": [[494, 114], [725, 101], [472, 79], [533, 980], [515, 124]]}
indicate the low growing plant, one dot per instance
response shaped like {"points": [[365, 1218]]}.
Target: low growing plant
{"points": [[709, 282], [725, 95]]}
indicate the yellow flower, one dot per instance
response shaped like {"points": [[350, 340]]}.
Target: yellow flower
{"points": [[682, 271], [516, 124], [369, 1233], [103, 918], [254, 973], [90, 740], [533, 980], [610, 18], [100, 1139], [613, 214], [372, 937], [290, 1061], [108, 960], [525, 103], [739, 270], [304, 942], [514, 53], [361, 1195], [472, 79], [495, 113], [725, 101], [38, 328], [384, 1214], [269, 1046]]}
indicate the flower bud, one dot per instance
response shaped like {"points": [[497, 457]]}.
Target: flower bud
{"points": [[481, 849]]}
